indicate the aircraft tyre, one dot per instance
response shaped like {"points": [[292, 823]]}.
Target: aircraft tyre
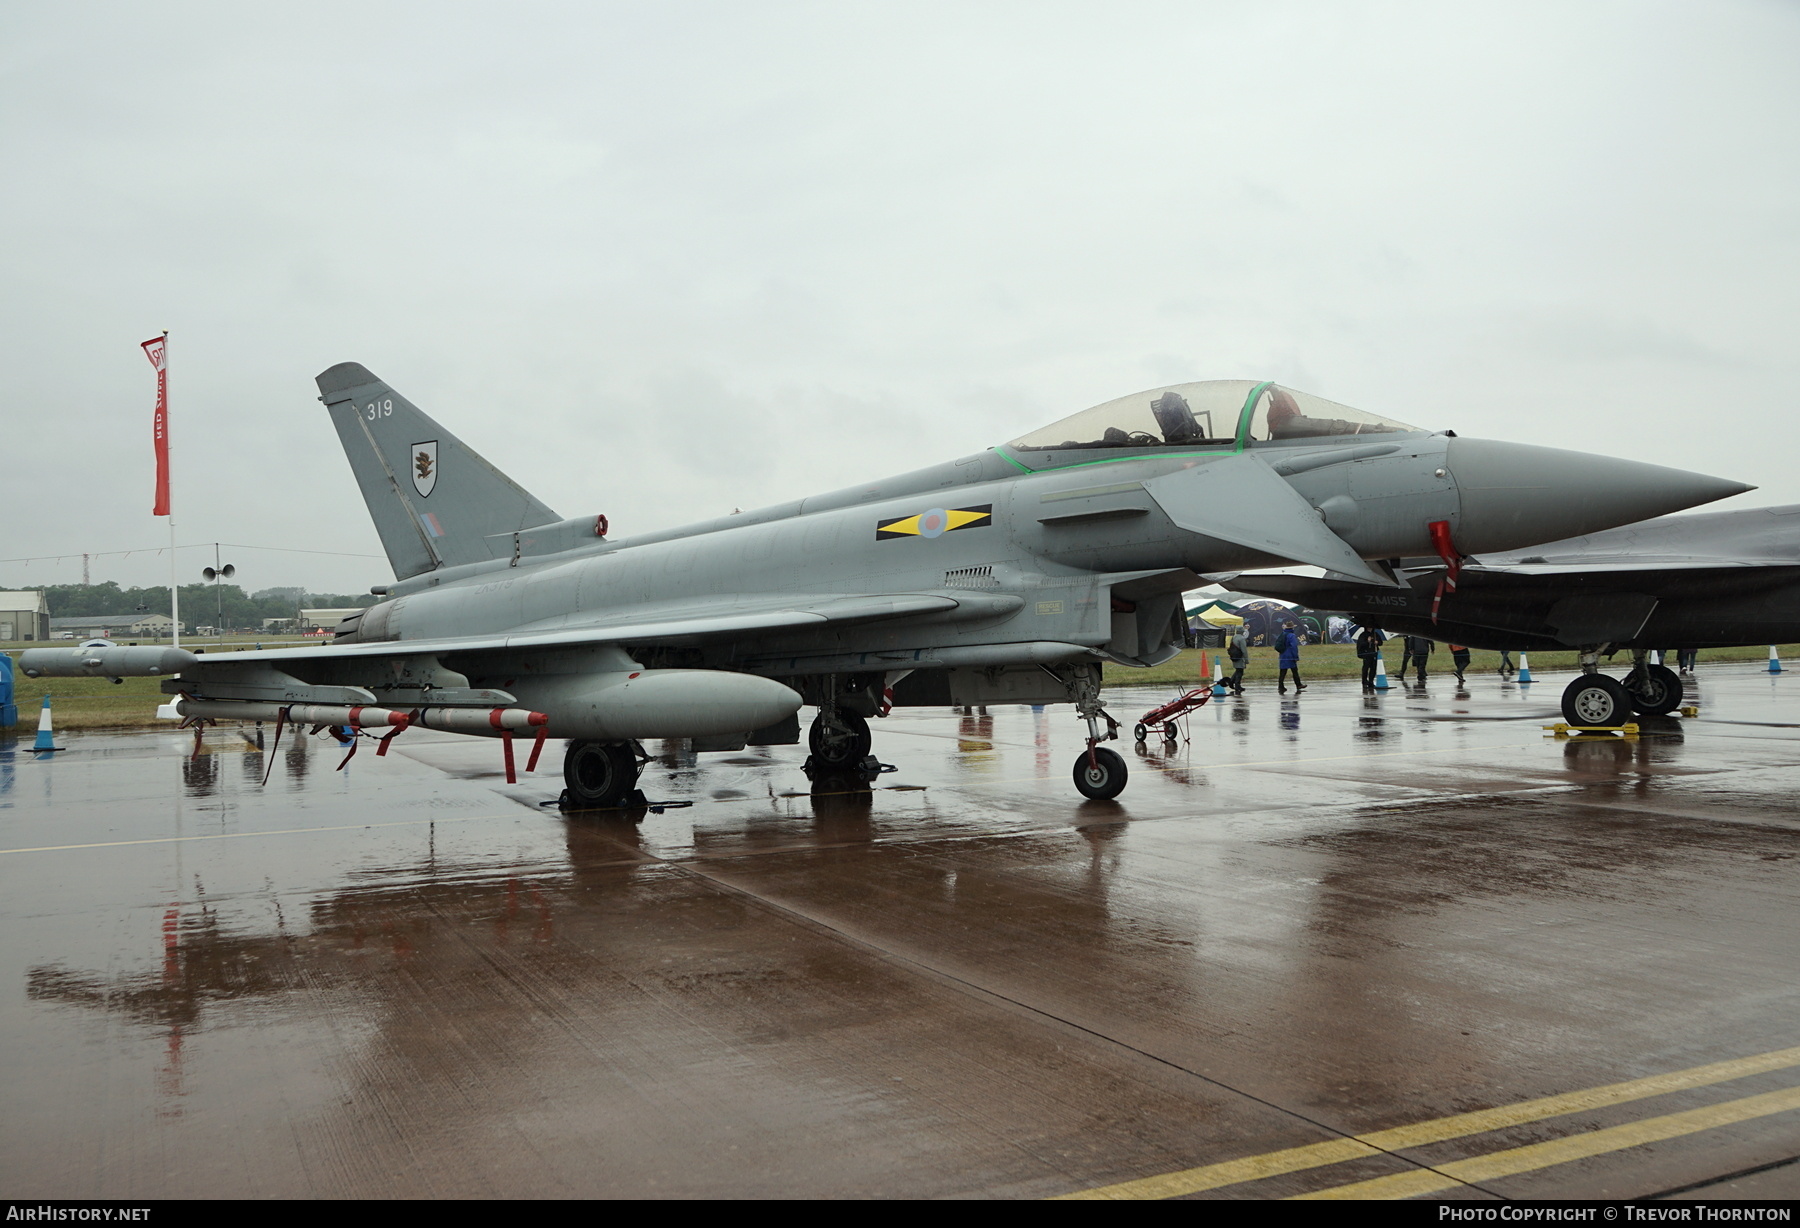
{"points": [[839, 741], [600, 775], [1103, 778], [1657, 692], [1596, 699]]}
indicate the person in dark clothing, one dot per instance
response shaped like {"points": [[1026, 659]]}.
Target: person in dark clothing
{"points": [[1506, 663], [1237, 646], [1688, 657], [1368, 646], [1406, 643], [1459, 657], [1419, 649], [1288, 645]]}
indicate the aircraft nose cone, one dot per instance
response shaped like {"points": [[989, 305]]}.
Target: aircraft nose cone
{"points": [[1515, 494]]}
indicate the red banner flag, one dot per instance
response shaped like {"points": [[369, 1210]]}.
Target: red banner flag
{"points": [[157, 351]]}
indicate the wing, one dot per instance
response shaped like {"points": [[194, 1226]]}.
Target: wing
{"points": [[690, 622]]}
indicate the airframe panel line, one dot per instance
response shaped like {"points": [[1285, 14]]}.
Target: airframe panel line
{"points": [[1442, 1129], [1460, 1173]]}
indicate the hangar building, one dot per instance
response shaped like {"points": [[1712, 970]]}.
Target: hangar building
{"points": [[24, 616]]}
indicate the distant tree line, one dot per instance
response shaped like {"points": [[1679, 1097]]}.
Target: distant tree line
{"points": [[199, 605]]}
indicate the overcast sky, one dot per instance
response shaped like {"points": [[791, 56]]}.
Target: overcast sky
{"points": [[660, 260]]}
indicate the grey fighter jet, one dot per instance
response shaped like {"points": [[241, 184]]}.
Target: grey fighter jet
{"points": [[1718, 580], [1011, 575]]}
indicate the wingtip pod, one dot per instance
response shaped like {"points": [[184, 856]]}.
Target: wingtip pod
{"points": [[1513, 495], [343, 377]]}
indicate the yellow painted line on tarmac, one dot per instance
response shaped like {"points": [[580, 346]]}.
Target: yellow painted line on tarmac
{"points": [[1335, 1151], [1231, 1172], [1506, 1163]]}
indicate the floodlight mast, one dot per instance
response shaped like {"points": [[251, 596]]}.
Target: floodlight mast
{"points": [[215, 573]]}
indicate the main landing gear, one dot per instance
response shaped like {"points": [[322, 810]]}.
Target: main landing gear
{"points": [[1595, 699], [839, 738], [1655, 689], [601, 776]]}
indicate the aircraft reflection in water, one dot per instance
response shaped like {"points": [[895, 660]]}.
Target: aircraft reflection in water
{"points": [[1010, 576], [447, 917], [1720, 580]]}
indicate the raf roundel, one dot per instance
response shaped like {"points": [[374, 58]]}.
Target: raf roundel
{"points": [[935, 523]]}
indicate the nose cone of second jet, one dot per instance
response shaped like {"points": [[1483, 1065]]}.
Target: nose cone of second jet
{"points": [[1515, 494]]}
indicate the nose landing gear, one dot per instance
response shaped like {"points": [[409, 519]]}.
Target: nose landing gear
{"points": [[1099, 773]]}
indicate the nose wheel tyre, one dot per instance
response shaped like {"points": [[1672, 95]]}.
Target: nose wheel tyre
{"points": [[1656, 691], [1595, 699], [599, 775], [1103, 777], [839, 739]]}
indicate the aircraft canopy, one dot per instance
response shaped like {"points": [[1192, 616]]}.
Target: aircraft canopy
{"points": [[1206, 413]]}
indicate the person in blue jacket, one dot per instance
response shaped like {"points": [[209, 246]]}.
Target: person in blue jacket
{"points": [[1288, 645]]}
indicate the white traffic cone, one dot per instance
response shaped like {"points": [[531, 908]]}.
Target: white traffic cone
{"points": [[1381, 682], [1524, 669], [1218, 687], [1774, 660], [44, 739]]}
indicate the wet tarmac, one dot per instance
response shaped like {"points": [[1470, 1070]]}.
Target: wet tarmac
{"points": [[1305, 943]]}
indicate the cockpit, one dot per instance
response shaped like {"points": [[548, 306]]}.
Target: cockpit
{"points": [[1205, 414]]}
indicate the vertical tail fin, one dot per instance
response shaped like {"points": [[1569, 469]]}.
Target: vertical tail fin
{"points": [[435, 501]]}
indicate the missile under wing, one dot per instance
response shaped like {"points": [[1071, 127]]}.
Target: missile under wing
{"points": [[1012, 575]]}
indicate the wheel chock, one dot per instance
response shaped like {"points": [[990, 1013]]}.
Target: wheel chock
{"points": [[1563, 729], [1690, 710]]}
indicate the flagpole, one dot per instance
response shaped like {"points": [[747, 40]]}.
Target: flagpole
{"points": [[174, 582]]}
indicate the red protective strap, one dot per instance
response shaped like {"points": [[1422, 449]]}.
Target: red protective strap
{"points": [[1446, 550], [537, 748], [347, 758], [512, 777], [381, 746], [280, 723]]}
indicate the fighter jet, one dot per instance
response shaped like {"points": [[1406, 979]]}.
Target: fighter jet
{"points": [[1718, 580], [1009, 576]]}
